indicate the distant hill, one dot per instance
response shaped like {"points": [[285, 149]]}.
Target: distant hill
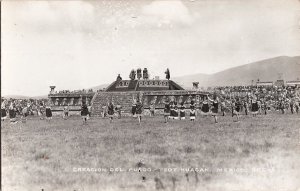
{"points": [[25, 97], [16, 97], [100, 87], [265, 70]]}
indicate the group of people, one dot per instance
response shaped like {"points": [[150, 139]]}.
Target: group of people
{"points": [[111, 110], [237, 100], [216, 104], [24, 107], [219, 102]]}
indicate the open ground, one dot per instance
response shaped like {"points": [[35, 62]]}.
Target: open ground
{"points": [[261, 153]]}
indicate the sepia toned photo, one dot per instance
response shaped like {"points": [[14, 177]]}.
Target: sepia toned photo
{"points": [[150, 95]]}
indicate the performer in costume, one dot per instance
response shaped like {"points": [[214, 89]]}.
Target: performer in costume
{"points": [[84, 113], [48, 112], [152, 109], [175, 110], [133, 108], [246, 106], [25, 112], [167, 111], [297, 104], [89, 111], [236, 108], [223, 107], [41, 110], [111, 111], [205, 107], [192, 113], [104, 111], [182, 111], [254, 107], [118, 110], [12, 113], [259, 103], [139, 110], [172, 110], [292, 105], [281, 105], [66, 112], [264, 106], [3, 111], [215, 108]]}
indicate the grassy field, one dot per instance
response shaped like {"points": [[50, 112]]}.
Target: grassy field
{"points": [[261, 153]]}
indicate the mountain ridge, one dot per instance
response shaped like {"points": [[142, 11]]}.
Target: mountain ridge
{"points": [[270, 69]]}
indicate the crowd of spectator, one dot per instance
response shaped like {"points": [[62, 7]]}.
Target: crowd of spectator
{"points": [[74, 91], [13, 107]]}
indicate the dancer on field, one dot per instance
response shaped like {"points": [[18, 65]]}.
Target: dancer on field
{"points": [[175, 112], [66, 112], [118, 110], [215, 108], [182, 111], [25, 112], [12, 113], [41, 110], [172, 105], [84, 113], [3, 111], [254, 107], [236, 108], [246, 107], [152, 109], [192, 113], [110, 111], [139, 110], [167, 111], [133, 108], [223, 107], [48, 112], [205, 106]]}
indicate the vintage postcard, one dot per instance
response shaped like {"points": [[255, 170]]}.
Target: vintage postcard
{"points": [[175, 95]]}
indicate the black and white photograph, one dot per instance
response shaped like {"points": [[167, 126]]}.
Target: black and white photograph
{"points": [[150, 95]]}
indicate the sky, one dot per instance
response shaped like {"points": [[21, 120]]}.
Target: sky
{"points": [[81, 44]]}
